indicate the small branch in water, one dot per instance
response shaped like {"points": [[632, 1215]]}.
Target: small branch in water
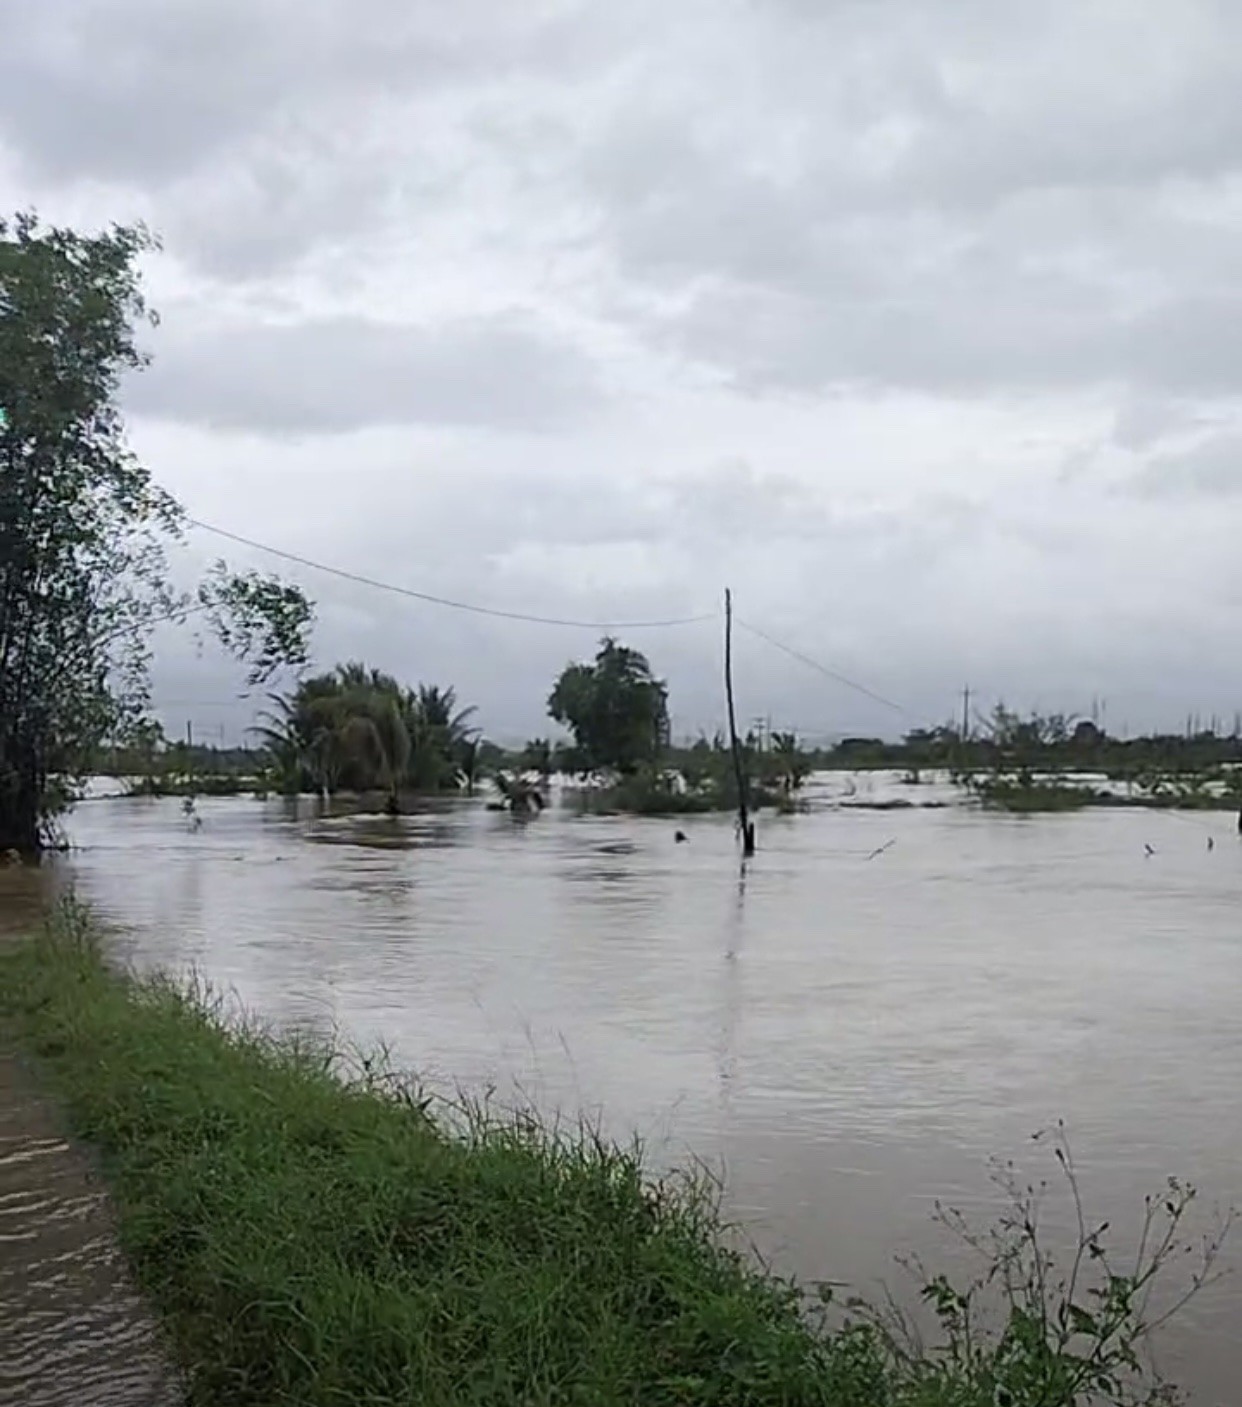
{"points": [[888, 845]]}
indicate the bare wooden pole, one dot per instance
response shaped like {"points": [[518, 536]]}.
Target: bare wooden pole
{"points": [[739, 772]]}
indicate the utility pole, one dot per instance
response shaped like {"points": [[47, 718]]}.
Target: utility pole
{"points": [[966, 714], [739, 773]]}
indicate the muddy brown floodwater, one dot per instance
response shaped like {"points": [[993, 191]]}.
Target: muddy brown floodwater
{"points": [[849, 1035]]}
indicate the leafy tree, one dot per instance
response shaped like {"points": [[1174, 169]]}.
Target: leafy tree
{"points": [[569, 760], [616, 709], [84, 528]]}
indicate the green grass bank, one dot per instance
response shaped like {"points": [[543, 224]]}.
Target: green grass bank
{"points": [[310, 1238]]}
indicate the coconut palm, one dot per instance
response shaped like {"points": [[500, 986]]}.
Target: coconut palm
{"points": [[357, 729], [438, 730], [372, 734]]}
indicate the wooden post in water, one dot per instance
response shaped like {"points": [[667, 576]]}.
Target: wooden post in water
{"points": [[739, 772]]}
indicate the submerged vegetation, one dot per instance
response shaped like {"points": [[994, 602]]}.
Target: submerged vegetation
{"points": [[314, 1229], [357, 729]]}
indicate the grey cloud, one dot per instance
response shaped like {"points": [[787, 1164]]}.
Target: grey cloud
{"points": [[732, 500], [1143, 420], [146, 90], [339, 374], [989, 200], [948, 342], [1192, 132], [726, 503], [1212, 469], [993, 101], [136, 90], [257, 218]]}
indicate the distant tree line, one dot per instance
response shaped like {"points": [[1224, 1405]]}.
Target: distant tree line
{"points": [[355, 729]]}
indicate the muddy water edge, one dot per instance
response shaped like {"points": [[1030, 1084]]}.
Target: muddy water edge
{"points": [[72, 1329]]}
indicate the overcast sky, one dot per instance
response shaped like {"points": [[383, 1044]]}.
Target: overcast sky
{"points": [[918, 324]]}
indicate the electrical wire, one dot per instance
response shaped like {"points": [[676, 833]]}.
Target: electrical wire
{"points": [[526, 617], [444, 600], [177, 615], [822, 668]]}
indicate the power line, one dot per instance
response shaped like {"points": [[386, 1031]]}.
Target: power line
{"points": [[444, 600], [822, 668], [177, 615]]}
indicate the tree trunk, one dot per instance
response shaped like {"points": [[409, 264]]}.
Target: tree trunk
{"points": [[20, 797]]}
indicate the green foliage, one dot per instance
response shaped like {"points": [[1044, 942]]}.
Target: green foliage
{"points": [[83, 526], [1034, 1327], [439, 730], [258, 619], [616, 709], [357, 729]]}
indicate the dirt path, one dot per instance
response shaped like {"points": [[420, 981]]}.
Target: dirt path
{"points": [[72, 1329]]}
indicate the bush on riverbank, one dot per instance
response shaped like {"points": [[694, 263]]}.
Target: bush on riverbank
{"points": [[317, 1240]]}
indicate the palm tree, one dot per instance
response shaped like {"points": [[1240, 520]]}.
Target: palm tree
{"points": [[357, 728], [278, 733], [438, 730], [372, 733], [301, 734], [436, 706]]}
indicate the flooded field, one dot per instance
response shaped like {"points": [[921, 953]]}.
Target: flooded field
{"points": [[850, 1031]]}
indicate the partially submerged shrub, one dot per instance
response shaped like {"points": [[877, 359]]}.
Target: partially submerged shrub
{"points": [[1035, 1328]]}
